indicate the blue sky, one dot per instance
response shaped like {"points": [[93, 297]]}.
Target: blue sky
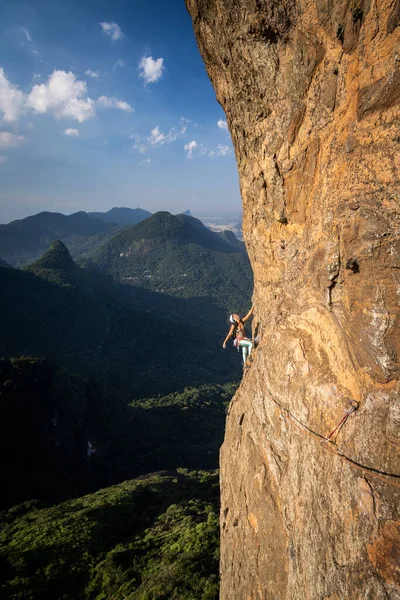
{"points": [[107, 103]]}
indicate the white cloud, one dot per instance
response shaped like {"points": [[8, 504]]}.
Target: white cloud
{"points": [[64, 96], [26, 32], [146, 161], [36, 76], [107, 102], [222, 124], [11, 99], [3, 159], [151, 70], [72, 132], [157, 138], [223, 150], [190, 148], [119, 63], [92, 74], [139, 145], [112, 29], [199, 148], [9, 140]]}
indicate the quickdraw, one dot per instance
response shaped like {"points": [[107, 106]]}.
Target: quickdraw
{"points": [[353, 407]]}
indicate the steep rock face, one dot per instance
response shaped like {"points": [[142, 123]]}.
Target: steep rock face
{"points": [[311, 91]]}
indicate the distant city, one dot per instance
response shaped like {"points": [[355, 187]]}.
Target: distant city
{"points": [[230, 222]]}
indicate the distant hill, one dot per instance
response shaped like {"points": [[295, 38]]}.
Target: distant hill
{"points": [[187, 213], [25, 240], [122, 216], [4, 264], [178, 255], [93, 326], [231, 238]]}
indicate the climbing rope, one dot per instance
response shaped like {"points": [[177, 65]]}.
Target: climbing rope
{"points": [[353, 407], [389, 478]]}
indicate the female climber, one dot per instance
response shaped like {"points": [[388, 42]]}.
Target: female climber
{"points": [[238, 331]]}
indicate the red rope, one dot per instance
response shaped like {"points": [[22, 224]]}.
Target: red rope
{"points": [[353, 407]]}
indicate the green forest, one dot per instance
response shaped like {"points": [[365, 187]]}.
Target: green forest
{"points": [[153, 536], [114, 400]]}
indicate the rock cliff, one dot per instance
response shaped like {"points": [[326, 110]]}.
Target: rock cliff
{"points": [[311, 91]]}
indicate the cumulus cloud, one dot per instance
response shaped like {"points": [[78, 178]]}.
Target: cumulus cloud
{"points": [[9, 140], [157, 138], [111, 29], [64, 96], [3, 159], [223, 150], [199, 148], [222, 124], [72, 132], [107, 102], [92, 74], [140, 145], [11, 99], [151, 69], [190, 148]]}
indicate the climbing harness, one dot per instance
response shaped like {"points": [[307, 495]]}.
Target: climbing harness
{"points": [[353, 407]]}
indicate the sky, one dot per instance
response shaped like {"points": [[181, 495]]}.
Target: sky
{"points": [[107, 103]]}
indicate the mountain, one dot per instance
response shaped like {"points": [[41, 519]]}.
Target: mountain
{"points": [[96, 327], [231, 238], [178, 255], [122, 216], [57, 266], [187, 213], [4, 264], [25, 240]]}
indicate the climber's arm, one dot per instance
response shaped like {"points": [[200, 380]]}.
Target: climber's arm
{"points": [[231, 330], [248, 314]]}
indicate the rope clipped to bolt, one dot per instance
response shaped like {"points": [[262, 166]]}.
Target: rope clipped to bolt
{"points": [[353, 407]]}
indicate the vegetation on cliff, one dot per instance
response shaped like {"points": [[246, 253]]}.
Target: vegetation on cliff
{"points": [[151, 538]]}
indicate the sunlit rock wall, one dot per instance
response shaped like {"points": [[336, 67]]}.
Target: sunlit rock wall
{"points": [[311, 91]]}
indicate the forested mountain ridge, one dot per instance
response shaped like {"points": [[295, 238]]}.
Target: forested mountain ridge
{"points": [[25, 240], [122, 216], [177, 255], [57, 310]]}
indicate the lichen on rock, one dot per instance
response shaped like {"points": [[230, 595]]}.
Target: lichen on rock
{"points": [[311, 92]]}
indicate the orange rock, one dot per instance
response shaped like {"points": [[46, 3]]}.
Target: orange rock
{"points": [[311, 91]]}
